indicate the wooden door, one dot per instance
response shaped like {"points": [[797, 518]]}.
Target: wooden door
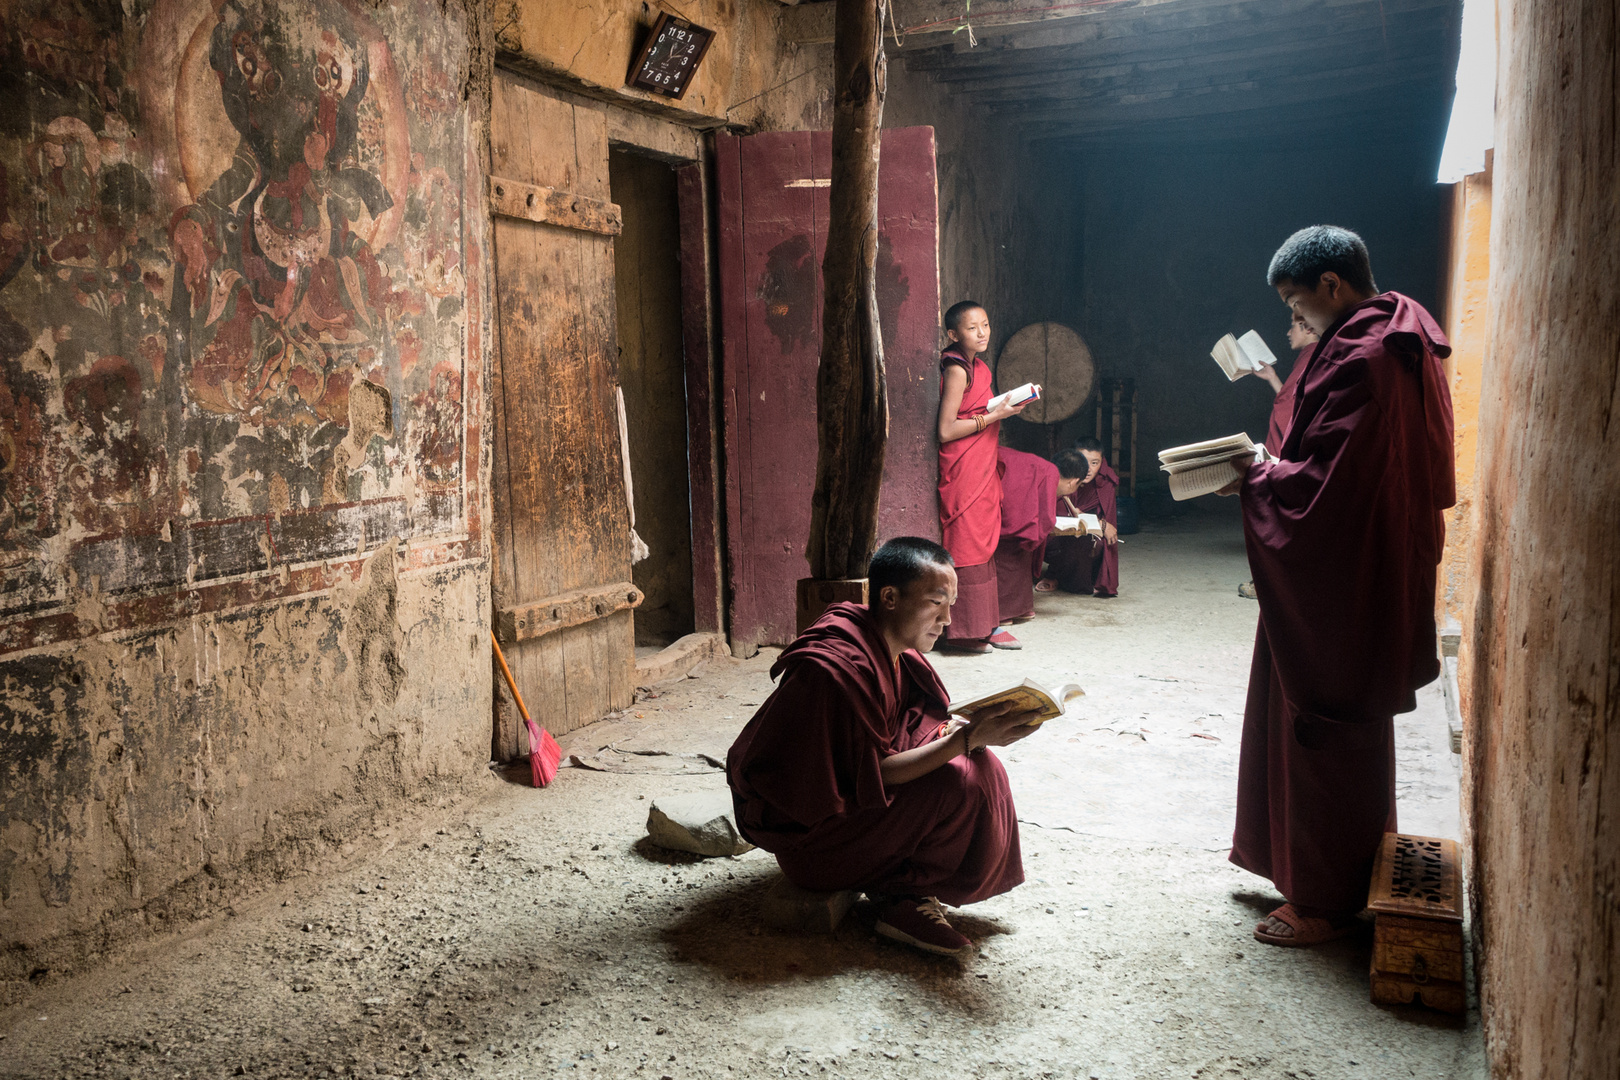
{"points": [[562, 530], [773, 198]]}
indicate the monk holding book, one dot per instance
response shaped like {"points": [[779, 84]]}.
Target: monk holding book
{"points": [[1344, 532], [855, 776]]}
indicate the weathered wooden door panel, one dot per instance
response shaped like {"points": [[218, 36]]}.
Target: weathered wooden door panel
{"points": [[561, 518], [773, 201]]}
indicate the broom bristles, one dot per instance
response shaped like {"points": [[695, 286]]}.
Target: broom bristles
{"points": [[544, 755]]}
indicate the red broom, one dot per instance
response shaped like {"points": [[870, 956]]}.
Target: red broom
{"points": [[544, 753]]}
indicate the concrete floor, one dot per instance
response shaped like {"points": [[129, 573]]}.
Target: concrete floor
{"points": [[529, 934]]}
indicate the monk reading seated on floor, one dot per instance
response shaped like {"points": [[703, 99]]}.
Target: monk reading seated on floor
{"points": [[1085, 564], [854, 775]]}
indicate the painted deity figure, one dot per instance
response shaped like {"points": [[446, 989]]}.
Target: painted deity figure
{"points": [[277, 286]]}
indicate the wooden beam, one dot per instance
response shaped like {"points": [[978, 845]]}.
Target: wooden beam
{"points": [[572, 608], [813, 24], [550, 206], [852, 403], [1187, 27]]}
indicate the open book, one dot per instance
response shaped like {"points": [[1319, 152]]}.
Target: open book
{"points": [[1240, 356], [1018, 395], [1203, 468], [1078, 525], [1027, 696]]}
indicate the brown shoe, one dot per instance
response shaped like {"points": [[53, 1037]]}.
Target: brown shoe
{"points": [[963, 645], [921, 923]]}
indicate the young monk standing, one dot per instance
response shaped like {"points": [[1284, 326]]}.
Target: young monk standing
{"points": [[854, 775], [1088, 565], [969, 487], [1344, 534]]}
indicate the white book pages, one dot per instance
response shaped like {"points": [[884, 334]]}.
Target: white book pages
{"points": [[1018, 395], [1205, 480], [1229, 446], [1254, 348]]}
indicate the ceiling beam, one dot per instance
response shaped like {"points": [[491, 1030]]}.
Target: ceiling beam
{"points": [[1179, 53], [1191, 24], [812, 24]]}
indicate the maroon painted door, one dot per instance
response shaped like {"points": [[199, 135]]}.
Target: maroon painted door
{"points": [[773, 210]]}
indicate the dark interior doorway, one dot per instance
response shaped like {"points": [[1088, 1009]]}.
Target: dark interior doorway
{"points": [[646, 260]]}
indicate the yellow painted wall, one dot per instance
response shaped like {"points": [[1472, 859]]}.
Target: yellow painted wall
{"points": [[747, 78], [1467, 318]]}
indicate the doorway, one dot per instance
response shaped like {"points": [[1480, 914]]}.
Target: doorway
{"points": [[652, 374]]}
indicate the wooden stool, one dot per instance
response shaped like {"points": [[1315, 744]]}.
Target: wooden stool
{"points": [[1417, 930]]}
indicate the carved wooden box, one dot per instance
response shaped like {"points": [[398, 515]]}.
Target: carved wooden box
{"points": [[1417, 937]]}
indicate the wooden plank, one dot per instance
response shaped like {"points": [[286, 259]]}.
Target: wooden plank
{"points": [[549, 206], [566, 523], [702, 449], [812, 24], [532, 619]]}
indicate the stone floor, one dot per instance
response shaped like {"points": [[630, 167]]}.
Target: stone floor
{"points": [[531, 934]]}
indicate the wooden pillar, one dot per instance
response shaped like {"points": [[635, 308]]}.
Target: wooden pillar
{"points": [[852, 412]]}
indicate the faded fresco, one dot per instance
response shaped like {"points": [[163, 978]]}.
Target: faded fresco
{"points": [[231, 291]]}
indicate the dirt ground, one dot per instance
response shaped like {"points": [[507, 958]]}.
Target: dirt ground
{"points": [[530, 933]]}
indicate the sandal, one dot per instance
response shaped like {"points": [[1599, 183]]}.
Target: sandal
{"points": [[1308, 931], [1046, 585]]}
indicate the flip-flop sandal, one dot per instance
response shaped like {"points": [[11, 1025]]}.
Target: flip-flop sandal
{"points": [[1046, 586], [1308, 931]]}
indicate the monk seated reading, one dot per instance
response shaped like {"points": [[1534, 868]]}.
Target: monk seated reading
{"points": [[854, 775], [1085, 564]]}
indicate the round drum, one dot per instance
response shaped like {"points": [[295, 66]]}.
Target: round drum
{"points": [[1054, 356]]}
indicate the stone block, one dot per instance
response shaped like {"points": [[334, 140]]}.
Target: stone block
{"points": [[788, 907], [679, 659], [699, 823]]}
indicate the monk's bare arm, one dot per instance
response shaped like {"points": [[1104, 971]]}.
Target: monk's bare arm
{"points": [[998, 729], [950, 403]]}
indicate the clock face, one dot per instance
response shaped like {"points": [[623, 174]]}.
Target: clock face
{"points": [[671, 56]]}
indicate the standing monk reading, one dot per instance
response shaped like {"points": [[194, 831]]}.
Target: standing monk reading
{"points": [[969, 482], [854, 775], [1344, 535]]}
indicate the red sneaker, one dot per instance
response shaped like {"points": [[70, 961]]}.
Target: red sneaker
{"points": [[1003, 639], [921, 923]]}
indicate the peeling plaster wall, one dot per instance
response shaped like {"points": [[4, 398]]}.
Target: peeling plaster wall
{"points": [[243, 575], [1543, 757]]}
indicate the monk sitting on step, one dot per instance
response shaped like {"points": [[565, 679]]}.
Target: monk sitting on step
{"points": [[854, 775]]}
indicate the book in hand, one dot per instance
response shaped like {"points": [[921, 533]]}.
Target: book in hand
{"points": [[1027, 696], [1018, 395], [1241, 356], [1078, 525], [1203, 468]]}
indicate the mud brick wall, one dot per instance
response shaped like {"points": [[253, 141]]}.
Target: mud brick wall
{"points": [[243, 579], [1544, 664]]}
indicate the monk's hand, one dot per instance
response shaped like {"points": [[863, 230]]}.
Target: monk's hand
{"points": [[1110, 534], [951, 727], [1000, 726], [1236, 485]]}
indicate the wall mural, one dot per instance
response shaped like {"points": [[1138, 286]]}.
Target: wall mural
{"points": [[231, 290]]}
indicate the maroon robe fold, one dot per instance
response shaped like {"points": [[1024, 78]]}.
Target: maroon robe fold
{"points": [[970, 507], [1028, 512], [1344, 535], [1282, 409], [807, 782], [1086, 564]]}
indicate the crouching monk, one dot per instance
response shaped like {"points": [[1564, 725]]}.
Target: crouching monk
{"points": [[854, 775]]}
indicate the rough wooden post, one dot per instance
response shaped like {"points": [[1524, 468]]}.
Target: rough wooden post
{"points": [[852, 408]]}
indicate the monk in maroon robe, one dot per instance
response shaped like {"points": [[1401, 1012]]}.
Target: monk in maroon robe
{"points": [[854, 775], [1344, 534], [1029, 487], [1303, 340], [1088, 565], [969, 482]]}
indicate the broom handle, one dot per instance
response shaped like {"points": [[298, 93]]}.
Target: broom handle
{"points": [[510, 682]]}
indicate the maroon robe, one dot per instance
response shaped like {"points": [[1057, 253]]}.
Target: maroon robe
{"points": [[1344, 535], [807, 782], [1282, 409], [970, 506], [1028, 512], [1088, 564]]}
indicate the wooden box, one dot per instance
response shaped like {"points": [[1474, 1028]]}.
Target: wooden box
{"points": [[1416, 901]]}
